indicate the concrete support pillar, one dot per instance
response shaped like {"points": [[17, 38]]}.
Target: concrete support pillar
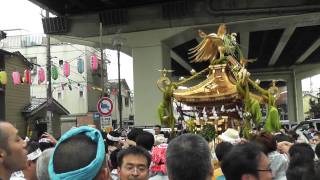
{"points": [[292, 96], [299, 99], [146, 63]]}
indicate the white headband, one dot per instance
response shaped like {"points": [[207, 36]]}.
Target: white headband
{"points": [[34, 155], [111, 138], [44, 140]]}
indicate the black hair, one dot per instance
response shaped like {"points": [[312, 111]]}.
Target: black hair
{"points": [[74, 153], [242, 159], [134, 150], [283, 137], [158, 126], [132, 135], [222, 150], [301, 165], [317, 150], [114, 134], [188, 158], [301, 154], [301, 173], [32, 146], [113, 159], [45, 145], [145, 140]]}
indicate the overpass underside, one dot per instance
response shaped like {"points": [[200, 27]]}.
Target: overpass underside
{"points": [[282, 36]]}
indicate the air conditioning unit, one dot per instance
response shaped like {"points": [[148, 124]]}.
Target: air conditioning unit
{"points": [[55, 25]]}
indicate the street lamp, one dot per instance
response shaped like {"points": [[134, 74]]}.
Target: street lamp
{"points": [[117, 43]]}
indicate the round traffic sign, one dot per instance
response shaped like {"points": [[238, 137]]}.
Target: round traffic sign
{"points": [[105, 106]]}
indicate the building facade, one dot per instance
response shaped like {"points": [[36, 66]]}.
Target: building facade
{"points": [[76, 92], [79, 92], [127, 103], [13, 98]]}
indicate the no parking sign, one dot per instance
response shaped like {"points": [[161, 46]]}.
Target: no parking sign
{"points": [[105, 106]]}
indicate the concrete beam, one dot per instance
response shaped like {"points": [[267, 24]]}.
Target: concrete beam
{"points": [[282, 43], [256, 24], [180, 61], [85, 42], [270, 23], [309, 51], [75, 40], [244, 42]]}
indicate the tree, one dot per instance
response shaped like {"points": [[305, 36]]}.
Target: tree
{"points": [[315, 107]]}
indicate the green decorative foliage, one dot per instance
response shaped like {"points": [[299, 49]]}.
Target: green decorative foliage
{"points": [[273, 120], [255, 112], [161, 112], [208, 132]]}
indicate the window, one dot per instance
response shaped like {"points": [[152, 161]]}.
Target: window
{"points": [[33, 60], [126, 101], [59, 95], [81, 93]]}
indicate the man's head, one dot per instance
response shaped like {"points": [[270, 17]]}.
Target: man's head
{"points": [[246, 162], [80, 148], [222, 150], [34, 153], [157, 129], [13, 153], [145, 140], [267, 142], [133, 164], [134, 133], [42, 164], [113, 159], [113, 139], [300, 154], [188, 158]]}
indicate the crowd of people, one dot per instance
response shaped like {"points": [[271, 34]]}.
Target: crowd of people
{"points": [[85, 153]]}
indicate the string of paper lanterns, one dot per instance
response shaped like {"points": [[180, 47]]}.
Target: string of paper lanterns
{"points": [[17, 79]]}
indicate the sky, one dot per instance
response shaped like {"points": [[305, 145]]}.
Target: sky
{"points": [[20, 14], [24, 15], [311, 83]]}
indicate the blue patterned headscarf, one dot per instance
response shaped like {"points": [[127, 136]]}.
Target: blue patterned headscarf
{"points": [[91, 170]]}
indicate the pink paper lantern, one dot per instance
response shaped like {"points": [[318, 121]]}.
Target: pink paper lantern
{"points": [[16, 78], [66, 69], [41, 76], [27, 76], [94, 62]]}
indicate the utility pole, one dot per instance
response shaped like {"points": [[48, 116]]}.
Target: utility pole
{"points": [[49, 93], [117, 43], [102, 63]]}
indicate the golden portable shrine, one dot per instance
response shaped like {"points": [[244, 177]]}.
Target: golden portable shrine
{"points": [[227, 86]]}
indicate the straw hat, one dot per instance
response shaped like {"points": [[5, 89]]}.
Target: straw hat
{"points": [[230, 135]]}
